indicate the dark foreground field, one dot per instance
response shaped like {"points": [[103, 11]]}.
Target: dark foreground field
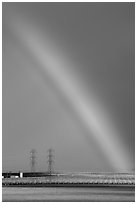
{"points": [[103, 194], [71, 187]]}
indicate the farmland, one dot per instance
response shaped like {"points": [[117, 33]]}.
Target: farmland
{"points": [[75, 178]]}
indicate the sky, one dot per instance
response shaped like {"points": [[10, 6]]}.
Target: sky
{"points": [[68, 84]]}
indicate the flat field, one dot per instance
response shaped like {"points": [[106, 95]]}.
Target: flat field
{"points": [[119, 187], [93, 178]]}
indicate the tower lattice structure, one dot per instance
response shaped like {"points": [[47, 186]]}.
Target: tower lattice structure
{"points": [[33, 160], [50, 161]]}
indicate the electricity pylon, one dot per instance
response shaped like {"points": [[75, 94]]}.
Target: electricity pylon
{"points": [[33, 160], [50, 161]]}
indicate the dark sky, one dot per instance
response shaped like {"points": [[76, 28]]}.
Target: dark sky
{"points": [[68, 83]]}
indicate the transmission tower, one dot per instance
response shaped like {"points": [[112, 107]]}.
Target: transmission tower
{"points": [[32, 160], [50, 161]]}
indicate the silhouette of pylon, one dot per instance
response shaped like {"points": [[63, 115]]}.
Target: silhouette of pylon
{"points": [[50, 161], [33, 160]]}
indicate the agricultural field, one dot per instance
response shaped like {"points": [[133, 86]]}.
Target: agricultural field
{"points": [[93, 178]]}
